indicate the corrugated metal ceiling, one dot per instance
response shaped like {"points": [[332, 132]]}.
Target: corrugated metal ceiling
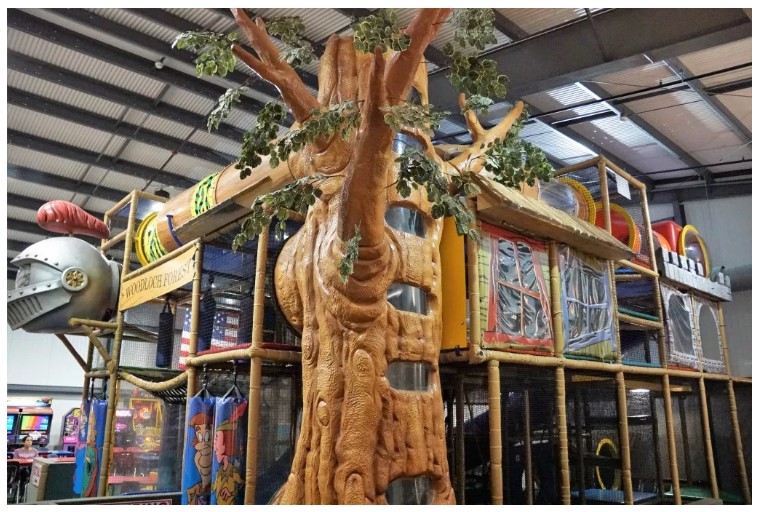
{"points": [[682, 116], [82, 64], [537, 20]]}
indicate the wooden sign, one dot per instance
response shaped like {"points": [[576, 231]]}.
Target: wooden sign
{"points": [[158, 281]]}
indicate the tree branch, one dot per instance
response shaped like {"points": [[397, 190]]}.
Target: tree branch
{"points": [[271, 68], [400, 71], [363, 202], [469, 159]]}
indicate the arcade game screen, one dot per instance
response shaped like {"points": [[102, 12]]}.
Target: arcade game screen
{"points": [[34, 423], [11, 423]]}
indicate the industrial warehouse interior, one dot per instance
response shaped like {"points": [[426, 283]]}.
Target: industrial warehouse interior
{"points": [[379, 256]]}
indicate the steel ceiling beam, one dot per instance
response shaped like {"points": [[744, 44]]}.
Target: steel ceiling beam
{"points": [[30, 203], [82, 83], [28, 227], [508, 27], [662, 139], [83, 117], [146, 42], [699, 191], [66, 38], [15, 245], [51, 180], [84, 156], [570, 54], [709, 98]]}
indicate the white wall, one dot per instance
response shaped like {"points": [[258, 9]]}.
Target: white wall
{"points": [[726, 226], [661, 211], [738, 326], [42, 360]]}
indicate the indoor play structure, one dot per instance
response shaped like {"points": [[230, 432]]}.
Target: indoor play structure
{"points": [[571, 353]]}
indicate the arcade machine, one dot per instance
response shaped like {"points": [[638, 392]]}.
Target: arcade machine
{"points": [[29, 417], [70, 430]]}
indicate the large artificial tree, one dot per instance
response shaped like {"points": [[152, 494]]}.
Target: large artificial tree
{"points": [[358, 433]]}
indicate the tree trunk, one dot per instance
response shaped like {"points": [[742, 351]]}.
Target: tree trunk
{"points": [[358, 434]]}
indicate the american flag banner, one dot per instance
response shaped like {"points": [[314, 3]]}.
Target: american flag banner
{"points": [[225, 333]]}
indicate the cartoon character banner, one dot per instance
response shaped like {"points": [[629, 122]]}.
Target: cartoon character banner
{"points": [[93, 450], [229, 446], [81, 446], [198, 451]]}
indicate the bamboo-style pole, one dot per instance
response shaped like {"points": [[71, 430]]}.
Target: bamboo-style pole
{"points": [[150, 197], [282, 356], [641, 322], [93, 323], [638, 268], [562, 433], [474, 300], [256, 370], [577, 167], [154, 386], [617, 351], [707, 434], [194, 325], [671, 433], [580, 415], [605, 192], [744, 478], [527, 446], [128, 198], [116, 357], [724, 339], [495, 432], [625, 441], [72, 350], [460, 437], [620, 172], [94, 340], [578, 364], [87, 378], [556, 305], [98, 374], [112, 242], [647, 219], [452, 357], [629, 277]]}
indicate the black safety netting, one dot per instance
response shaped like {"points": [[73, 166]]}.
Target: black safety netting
{"points": [[528, 400], [280, 417], [639, 347], [723, 439], [689, 441], [743, 393], [593, 440], [645, 428], [475, 486], [228, 283], [147, 444], [523, 390]]}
